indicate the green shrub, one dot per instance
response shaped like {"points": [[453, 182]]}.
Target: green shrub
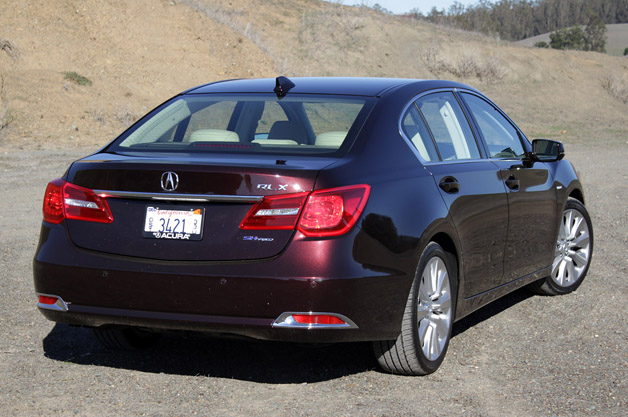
{"points": [[542, 44], [74, 77], [626, 52]]}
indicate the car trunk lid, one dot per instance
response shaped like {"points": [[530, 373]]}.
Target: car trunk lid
{"points": [[216, 192]]}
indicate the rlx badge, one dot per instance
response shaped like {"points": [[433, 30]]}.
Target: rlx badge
{"points": [[269, 187], [169, 181]]}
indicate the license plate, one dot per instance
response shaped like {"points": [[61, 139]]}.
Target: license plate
{"points": [[182, 224]]}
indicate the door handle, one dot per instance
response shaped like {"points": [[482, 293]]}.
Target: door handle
{"points": [[512, 183], [449, 185]]}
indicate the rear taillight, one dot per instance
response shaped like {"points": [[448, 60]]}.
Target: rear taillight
{"points": [[334, 211], [277, 212], [329, 212], [53, 202], [64, 200]]}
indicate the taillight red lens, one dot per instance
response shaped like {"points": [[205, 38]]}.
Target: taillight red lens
{"points": [[64, 200], [83, 204], [329, 212], [53, 202], [334, 211], [279, 212]]}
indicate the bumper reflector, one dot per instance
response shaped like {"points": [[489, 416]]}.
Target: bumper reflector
{"points": [[311, 320], [51, 302], [317, 319]]}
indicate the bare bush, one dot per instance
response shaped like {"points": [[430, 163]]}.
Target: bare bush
{"points": [[466, 66], [98, 115], [8, 47], [617, 87], [491, 71], [6, 115], [125, 114], [431, 59], [488, 70]]}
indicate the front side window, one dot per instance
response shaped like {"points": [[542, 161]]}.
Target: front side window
{"points": [[500, 135], [253, 123], [448, 126]]}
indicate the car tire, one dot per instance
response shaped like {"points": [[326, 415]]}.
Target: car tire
{"points": [[572, 255], [125, 338], [428, 317]]}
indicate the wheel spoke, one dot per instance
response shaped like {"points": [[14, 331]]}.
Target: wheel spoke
{"points": [[435, 350], [566, 229], [424, 330], [441, 326], [441, 276], [422, 313], [434, 278], [571, 272], [424, 291], [555, 264], [443, 304], [581, 241], [579, 258], [560, 272], [577, 222]]}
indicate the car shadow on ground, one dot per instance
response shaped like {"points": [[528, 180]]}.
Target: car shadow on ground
{"points": [[256, 361]]}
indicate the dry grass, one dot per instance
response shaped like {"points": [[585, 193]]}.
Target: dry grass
{"points": [[336, 24], [231, 19]]}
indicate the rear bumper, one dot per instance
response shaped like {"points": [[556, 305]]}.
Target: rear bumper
{"points": [[241, 298]]}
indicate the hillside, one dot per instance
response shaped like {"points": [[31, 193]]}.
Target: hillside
{"points": [[138, 53]]}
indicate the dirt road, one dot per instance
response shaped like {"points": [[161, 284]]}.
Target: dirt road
{"points": [[525, 355]]}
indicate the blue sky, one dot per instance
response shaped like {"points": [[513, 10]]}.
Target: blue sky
{"points": [[403, 6]]}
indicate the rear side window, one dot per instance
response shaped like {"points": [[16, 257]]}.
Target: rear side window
{"points": [[415, 130], [448, 126], [500, 135], [253, 123]]}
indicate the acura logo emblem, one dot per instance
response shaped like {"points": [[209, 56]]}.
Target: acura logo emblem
{"points": [[169, 181]]}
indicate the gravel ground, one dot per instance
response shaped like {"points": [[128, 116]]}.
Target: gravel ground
{"points": [[524, 355]]}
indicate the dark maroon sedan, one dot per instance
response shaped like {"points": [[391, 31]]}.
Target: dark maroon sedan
{"points": [[311, 210]]}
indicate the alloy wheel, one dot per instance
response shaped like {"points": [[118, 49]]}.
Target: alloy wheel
{"points": [[572, 253], [434, 308]]}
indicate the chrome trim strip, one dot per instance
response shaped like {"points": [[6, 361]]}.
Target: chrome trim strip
{"points": [[286, 320], [60, 305], [181, 197]]}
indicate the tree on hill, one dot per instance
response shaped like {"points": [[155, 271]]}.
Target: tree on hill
{"points": [[520, 19], [592, 38], [571, 38], [595, 35]]}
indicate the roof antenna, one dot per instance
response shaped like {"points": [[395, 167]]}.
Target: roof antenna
{"points": [[282, 85]]}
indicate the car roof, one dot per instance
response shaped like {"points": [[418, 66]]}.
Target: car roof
{"points": [[357, 86]]}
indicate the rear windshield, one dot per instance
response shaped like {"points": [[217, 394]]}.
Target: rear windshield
{"points": [[254, 123]]}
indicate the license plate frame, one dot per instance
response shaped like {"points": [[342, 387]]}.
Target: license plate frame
{"points": [[173, 222]]}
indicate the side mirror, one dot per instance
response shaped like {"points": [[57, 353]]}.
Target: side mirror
{"points": [[547, 150]]}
